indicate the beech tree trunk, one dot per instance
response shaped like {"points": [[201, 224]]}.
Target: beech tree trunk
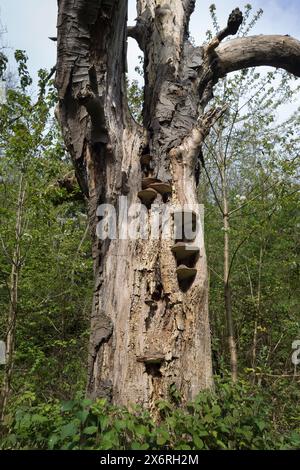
{"points": [[149, 330]]}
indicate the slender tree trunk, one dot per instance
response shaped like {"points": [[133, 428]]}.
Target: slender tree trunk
{"points": [[149, 330], [226, 273], [13, 306], [257, 313]]}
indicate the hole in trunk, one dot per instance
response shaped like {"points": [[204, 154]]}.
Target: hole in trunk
{"points": [[166, 197], [150, 316], [156, 295], [185, 285], [153, 370], [135, 66]]}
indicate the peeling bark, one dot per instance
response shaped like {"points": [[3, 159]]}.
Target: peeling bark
{"points": [[149, 329]]}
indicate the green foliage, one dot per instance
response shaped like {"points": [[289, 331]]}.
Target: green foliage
{"points": [[25, 79], [135, 99], [258, 150], [55, 285], [232, 417], [135, 94]]}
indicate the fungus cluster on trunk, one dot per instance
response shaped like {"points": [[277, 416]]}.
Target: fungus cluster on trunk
{"points": [[151, 186], [184, 223], [184, 250]]}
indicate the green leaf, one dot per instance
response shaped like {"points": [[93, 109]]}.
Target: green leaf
{"points": [[38, 419], [69, 430], [109, 440], [161, 440], [162, 437], [260, 424], [52, 441], [138, 446], [216, 410], [198, 442], [67, 405], [104, 420], [82, 415], [86, 402], [90, 430]]}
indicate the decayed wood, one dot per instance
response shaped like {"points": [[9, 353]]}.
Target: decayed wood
{"points": [[234, 22], [139, 303], [152, 358]]}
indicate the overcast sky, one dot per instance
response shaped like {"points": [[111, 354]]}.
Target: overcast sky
{"points": [[30, 22]]}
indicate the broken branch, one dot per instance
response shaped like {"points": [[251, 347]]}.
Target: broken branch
{"points": [[253, 51]]}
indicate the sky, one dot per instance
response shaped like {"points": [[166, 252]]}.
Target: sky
{"points": [[29, 23]]}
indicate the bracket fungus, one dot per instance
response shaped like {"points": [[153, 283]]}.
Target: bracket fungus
{"points": [[184, 272], [151, 358], [183, 251], [162, 188], [147, 195], [146, 182]]}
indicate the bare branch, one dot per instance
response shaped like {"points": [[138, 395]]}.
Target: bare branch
{"points": [[94, 105], [213, 190], [253, 198], [234, 22], [138, 32], [193, 142], [254, 51], [244, 241]]}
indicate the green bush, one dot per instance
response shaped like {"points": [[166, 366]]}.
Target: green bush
{"points": [[233, 417]]}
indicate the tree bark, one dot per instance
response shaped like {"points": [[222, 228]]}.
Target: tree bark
{"points": [[148, 331], [253, 51]]}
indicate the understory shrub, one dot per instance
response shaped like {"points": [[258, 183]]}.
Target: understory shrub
{"points": [[240, 416]]}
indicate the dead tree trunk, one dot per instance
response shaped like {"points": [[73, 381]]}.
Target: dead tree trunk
{"points": [[149, 330]]}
